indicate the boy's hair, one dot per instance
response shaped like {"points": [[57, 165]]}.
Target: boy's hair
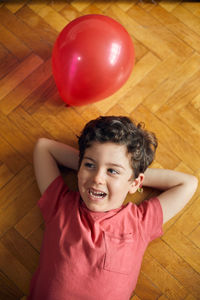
{"points": [[140, 143]]}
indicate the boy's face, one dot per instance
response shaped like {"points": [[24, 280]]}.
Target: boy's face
{"points": [[105, 176]]}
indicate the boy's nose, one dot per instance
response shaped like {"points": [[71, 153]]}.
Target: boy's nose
{"points": [[99, 177]]}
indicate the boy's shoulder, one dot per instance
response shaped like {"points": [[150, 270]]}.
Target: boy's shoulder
{"points": [[58, 198]]}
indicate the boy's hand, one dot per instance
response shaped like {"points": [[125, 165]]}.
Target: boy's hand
{"points": [[178, 188], [47, 153]]}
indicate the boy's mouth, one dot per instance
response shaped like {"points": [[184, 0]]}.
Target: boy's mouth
{"points": [[96, 194]]}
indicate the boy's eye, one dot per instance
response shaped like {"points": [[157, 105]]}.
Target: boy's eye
{"points": [[112, 171], [89, 165]]}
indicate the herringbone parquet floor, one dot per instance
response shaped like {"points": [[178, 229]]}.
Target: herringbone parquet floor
{"points": [[163, 91]]}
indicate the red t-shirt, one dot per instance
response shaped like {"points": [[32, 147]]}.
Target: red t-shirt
{"points": [[91, 255]]}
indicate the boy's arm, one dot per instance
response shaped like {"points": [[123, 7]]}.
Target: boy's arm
{"points": [[47, 153], [178, 188]]}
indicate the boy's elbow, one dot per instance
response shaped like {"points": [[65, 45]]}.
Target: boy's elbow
{"points": [[40, 142], [193, 184]]}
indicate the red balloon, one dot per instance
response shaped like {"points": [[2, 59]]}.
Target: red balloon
{"points": [[93, 57]]}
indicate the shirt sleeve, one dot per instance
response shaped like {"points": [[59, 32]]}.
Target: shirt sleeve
{"points": [[150, 217], [52, 197]]}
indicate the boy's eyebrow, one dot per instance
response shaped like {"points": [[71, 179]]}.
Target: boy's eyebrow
{"points": [[116, 165], [110, 164]]}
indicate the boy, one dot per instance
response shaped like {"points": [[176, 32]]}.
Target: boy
{"points": [[93, 244]]}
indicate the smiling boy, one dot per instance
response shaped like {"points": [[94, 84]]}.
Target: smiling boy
{"points": [[93, 244], [105, 176]]}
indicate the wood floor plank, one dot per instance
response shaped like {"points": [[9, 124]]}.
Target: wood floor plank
{"points": [[125, 5], [21, 277], [151, 80], [54, 19], [5, 175], [8, 291], [192, 6], [186, 17], [30, 222], [190, 297], [7, 61], [25, 88], [191, 114], [27, 125], [135, 298], [185, 93], [80, 5], [180, 125], [20, 249], [24, 33], [88, 112], [55, 104], [177, 27], [39, 96], [16, 137], [177, 46], [180, 269], [196, 103], [165, 157], [183, 246], [72, 120], [13, 188], [194, 236], [37, 5], [12, 159], [59, 5], [162, 279], [190, 217], [13, 44], [168, 88], [166, 136], [162, 297], [18, 208], [58, 130], [92, 9], [101, 4], [9, 82], [145, 288], [69, 12], [14, 7], [169, 5], [44, 31]]}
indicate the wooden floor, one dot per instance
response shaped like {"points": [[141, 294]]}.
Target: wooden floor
{"points": [[163, 91]]}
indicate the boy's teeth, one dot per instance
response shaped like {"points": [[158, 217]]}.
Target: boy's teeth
{"points": [[97, 194]]}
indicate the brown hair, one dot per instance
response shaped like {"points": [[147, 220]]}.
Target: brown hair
{"points": [[140, 143]]}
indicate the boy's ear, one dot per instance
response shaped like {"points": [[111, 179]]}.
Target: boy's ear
{"points": [[136, 183]]}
